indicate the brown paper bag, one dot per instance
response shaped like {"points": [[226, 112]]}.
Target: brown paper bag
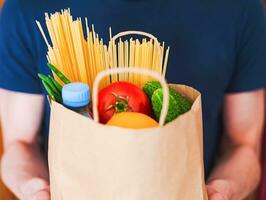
{"points": [[91, 161]]}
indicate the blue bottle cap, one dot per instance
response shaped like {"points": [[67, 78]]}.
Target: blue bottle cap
{"points": [[76, 95]]}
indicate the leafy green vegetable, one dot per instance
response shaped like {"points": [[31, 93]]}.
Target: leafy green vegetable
{"points": [[59, 74]]}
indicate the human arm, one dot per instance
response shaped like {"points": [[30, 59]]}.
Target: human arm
{"points": [[24, 169], [237, 172]]}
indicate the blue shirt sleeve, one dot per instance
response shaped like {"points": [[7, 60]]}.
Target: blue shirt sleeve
{"points": [[18, 54], [250, 68]]}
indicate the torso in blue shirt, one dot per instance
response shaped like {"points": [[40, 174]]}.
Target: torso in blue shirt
{"points": [[209, 39]]}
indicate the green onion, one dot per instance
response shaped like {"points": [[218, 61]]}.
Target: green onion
{"points": [[58, 73], [42, 77], [50, 83], [58, 98], [49, 90], [57, 85], [50, 87]]}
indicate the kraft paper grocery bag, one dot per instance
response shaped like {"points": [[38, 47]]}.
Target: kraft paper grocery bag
{"points": [[92, 161]]}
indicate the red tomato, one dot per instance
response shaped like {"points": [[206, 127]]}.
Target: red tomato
{"points": [[122, 97]]}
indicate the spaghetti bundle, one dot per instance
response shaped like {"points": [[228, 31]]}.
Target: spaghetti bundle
{"points": [[81, 58], [145, 53]]}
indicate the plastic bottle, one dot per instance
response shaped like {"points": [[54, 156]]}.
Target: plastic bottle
{"points": [[76, 96]]}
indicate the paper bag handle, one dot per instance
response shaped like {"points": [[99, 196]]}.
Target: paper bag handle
{"points": [[154, 75], [125, 33], [122, 34]]}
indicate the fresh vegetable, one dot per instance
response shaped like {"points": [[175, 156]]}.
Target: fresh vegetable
{"points": [[185, 105], [57, 85], [43, 77], [59, 74], [132, 120], [52, 87], [48, 83], [122, 97], [174, 109], [51, 93], [150, 87], [177, 104]]}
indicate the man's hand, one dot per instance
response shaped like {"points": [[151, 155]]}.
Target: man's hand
{"points": [[220, 189], [237, 172], [36, 189], [23, 166]]}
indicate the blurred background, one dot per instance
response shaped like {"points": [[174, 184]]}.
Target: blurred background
{"points": [[260, 195]]}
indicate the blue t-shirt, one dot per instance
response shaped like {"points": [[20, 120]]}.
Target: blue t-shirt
{"points": [[217, 46]]}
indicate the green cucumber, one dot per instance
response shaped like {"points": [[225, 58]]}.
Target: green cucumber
{"points": [[178, 104], [174, 109], [150, 87]]}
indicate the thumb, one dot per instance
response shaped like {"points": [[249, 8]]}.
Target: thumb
{"points": [[216, 196], [219, 190], [213, 194], [210, 190], [34, 186], [42, 195]]}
